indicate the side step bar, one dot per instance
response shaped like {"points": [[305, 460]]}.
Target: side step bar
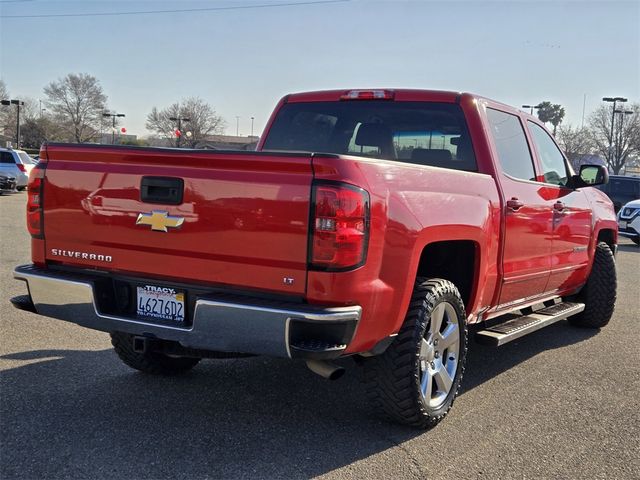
{"points": [[519, 327]]}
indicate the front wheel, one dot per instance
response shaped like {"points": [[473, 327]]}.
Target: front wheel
{"points": [[599, 293], [417, 378], [149, 362]]}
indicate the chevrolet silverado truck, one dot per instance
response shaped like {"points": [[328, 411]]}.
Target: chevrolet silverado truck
{"points": [[383, 225]]}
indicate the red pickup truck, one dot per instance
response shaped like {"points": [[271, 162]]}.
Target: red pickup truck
{"points": [[384, 225]]}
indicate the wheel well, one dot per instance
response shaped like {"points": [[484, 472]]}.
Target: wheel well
{"points": [[453, 260], [607, 236]]}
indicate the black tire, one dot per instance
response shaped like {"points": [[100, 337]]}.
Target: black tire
{"points": [[636, 240], [393, 379], [149, 362], [599, 293], [20, 189]]}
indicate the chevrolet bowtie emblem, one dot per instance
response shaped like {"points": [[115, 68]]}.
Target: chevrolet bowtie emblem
{"points": [[159, 220]]}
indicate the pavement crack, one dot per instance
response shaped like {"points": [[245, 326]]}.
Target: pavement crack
{"points": [[420, 472]]}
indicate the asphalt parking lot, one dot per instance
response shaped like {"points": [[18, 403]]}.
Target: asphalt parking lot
{"points": [[560, 403]]}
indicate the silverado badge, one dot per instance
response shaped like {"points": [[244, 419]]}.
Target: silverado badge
{"points": [[159, 220]]}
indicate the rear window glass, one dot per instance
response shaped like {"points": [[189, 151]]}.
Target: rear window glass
{"points": [[425, 133], [26, 159]]}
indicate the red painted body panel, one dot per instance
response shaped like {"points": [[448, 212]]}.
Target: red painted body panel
{"points": [[411, 206], [247, 221], [246, 215]]}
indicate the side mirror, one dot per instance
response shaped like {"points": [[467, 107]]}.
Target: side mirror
{"points": [[591, 175]]}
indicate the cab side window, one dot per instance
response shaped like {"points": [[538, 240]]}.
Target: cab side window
{"points": [[553, 164], [511, 143]]}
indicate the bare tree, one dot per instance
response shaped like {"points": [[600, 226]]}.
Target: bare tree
{"points": [[4, 110], [203, 121], [551, 113], [28, 112], [77, 101], [575, 142], [625, 141], [4, 93]]}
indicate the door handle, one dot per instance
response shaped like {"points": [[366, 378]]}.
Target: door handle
{"points": [[515, 204], [165, 190]]}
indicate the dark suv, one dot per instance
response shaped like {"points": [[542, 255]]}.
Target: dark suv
{"points": [[621, 190]]}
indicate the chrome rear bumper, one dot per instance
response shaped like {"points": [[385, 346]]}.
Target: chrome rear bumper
{"points": [[219, 323]]}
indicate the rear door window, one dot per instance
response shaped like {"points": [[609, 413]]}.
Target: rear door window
{"points": [[511, 143]]}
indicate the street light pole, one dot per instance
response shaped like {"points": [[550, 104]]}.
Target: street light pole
{"points": [[613, 118], [179, 120], [237, 126], [531, 107], [252, 126], [17, 103], [113, 127]]}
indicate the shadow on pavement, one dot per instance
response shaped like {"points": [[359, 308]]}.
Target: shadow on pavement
{"points": [[82, 414], [629, 247]]}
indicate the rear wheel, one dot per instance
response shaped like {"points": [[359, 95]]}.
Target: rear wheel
{"points": [[636, 240], [599, 293], [149, 361], [20, 189], [416, 380]]}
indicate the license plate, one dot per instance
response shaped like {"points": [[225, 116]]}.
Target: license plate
{"points": [[161, 303], [622, 225]]}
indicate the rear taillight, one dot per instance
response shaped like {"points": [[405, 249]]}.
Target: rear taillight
{"points": [[35, 193], [21, 167], [340, 226]]}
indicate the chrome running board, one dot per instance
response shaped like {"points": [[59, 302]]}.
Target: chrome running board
{"points": [[520, 326]]}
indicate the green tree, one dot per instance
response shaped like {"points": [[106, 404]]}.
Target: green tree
{"points": [[552, 113]]}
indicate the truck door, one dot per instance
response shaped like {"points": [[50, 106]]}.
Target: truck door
{"points": [[571, 215], [527, 214]]}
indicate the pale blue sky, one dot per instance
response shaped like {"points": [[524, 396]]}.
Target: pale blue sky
{"points": [[242, 61]]}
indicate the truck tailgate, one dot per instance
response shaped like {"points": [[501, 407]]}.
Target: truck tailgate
{"points": [[242, 220]]}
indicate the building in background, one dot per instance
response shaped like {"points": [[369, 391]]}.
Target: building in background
{"points": [[119, 139], [229, 142]]}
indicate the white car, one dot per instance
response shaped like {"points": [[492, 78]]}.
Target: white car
{"points": [[629, 221], [16, 163]]}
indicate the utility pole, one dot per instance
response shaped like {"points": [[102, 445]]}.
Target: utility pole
{"points": [[18, 104], [113, 127], [179, 132]]}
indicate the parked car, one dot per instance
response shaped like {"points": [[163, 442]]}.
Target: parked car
{"points": [[374, 224], [17, 163], [621, 190], [7, 182], [629, 221]]}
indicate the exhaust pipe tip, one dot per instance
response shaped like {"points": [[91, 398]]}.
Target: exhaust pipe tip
{"points": [[325, 369]]}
